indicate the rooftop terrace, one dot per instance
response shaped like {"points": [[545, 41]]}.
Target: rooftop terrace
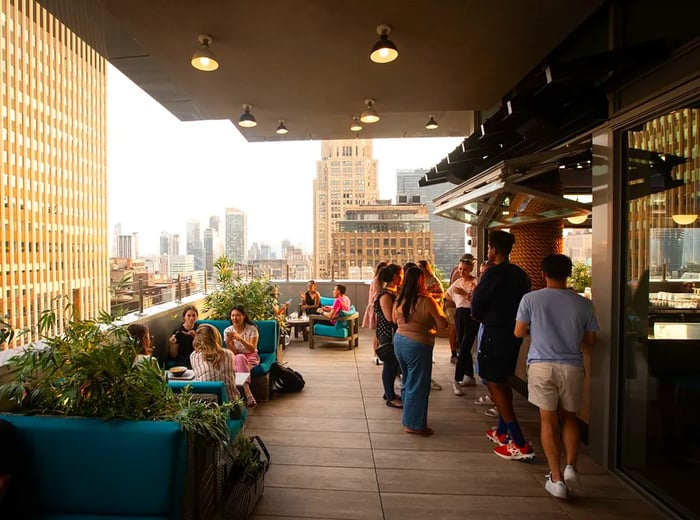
{"points": [[338, 452]]}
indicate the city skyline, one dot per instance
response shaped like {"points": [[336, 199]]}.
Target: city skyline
{"points": [[163, 172]]}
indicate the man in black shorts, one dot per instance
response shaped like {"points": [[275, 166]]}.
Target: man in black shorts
{"points": [[495, 304]]}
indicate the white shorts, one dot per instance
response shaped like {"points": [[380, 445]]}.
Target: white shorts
{"points": [[550, 385]]}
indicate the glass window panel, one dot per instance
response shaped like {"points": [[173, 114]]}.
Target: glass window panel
{"points": [[660, 365]]}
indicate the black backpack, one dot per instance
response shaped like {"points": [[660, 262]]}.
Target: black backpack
{"points": [[285, 379]]}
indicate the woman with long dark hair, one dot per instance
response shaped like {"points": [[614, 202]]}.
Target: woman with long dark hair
{"points": [[180, 342], [417, 316], [242, 339], [390, 276]]}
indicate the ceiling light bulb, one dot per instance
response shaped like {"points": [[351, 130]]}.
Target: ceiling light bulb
{"points": [[577, 219], [431, 124], [384, 51], [281, 128], [203, 58], [684, 220], [355, 126], [247, 120], [369, 115]]}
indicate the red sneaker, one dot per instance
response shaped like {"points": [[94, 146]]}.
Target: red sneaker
{"points": [[512, 452], [494, 437]]}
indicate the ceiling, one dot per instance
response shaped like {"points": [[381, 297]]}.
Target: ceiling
{"points": [[307, 61]]}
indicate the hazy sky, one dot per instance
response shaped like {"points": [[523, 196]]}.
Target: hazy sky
{"points": [[163, 172]]}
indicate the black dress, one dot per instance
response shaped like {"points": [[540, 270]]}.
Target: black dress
{"points": [[184, 347]]}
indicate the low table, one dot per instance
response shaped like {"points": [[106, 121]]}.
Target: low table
{"points": [[299, 324]]}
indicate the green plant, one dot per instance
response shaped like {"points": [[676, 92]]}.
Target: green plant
{"points": [[580, 277], [254, 295], [89, 371], [245, 457]]}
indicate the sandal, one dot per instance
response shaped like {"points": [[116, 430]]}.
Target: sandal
{"points": [[484, 400], [422, 431], [393, 403], [251, 402], [434, 385]]}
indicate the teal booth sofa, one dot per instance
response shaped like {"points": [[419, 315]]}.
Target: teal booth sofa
{"points": [[260, 380], [92, 469]]}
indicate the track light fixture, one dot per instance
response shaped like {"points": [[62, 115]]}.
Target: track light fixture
{"points": [[281, 129], [203, 58], [431, 124], [369, 114], [355, 126], [247, 120], [384, 51]]}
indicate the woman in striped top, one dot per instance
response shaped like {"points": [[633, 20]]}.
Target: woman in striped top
{"points": [[211, 362]]}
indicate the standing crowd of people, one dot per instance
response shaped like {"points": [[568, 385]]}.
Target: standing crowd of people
{"points": [[493, 310]]}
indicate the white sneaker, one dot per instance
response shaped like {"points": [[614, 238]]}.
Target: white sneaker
{"points": [[456, 389], [573, 483], [556, 489], [378, 361], [467, 381]]}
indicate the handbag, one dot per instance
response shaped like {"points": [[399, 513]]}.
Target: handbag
{"points": [[385, 351]]}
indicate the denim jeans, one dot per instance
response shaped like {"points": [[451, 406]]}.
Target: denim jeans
{"points": [[466, 329], [390, 369], [416, 363]]}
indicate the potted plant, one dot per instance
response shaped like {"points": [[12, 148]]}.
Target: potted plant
{"points": [[580, 277], [246, 476], [89, 371], [255, 295]]}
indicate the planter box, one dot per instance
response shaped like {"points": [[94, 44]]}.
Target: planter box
{"points": [[242, 493]]}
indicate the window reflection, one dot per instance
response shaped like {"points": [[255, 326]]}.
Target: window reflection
{"points": [[660, 397]]}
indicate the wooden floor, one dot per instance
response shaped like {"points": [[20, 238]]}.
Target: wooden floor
{"points": [[338, 452]]}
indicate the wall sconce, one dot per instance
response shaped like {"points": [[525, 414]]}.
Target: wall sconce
{"points": [[281, 128], [203, 58], [247, 120], [684, 220], [369, 115], [431, 124], [384, 51], [355, 126], [577, 219]]}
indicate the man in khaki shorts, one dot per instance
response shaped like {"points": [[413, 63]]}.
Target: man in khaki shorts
{"points": [[560, 321]]}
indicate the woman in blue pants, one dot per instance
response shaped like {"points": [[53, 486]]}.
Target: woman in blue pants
{"points": [[417, 316]]}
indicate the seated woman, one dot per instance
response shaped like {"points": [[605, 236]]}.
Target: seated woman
{"points": [[180, 342], [242, 339], [311, 299], [144, 341], [211, 362], [279, 310]]}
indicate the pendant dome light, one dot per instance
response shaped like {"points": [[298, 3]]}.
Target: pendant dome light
{"points": [[281, 128], [684, 220], [577, 219], [355, 126], [203, 59], [384, 51], [369, 114], [431, 124], [247, 120]]}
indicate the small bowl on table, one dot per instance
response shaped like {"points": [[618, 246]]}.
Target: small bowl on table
{"points": [[178, 371]]}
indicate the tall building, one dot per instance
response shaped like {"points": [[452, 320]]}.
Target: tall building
{"points": [[236, 235], [194, 245], [175, 245], [448, 235], [346, 176], [54, 169], [380, 232], [164, 243], [209, 249], [128, 246]]}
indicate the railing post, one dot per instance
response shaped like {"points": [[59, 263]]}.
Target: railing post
{"points": [[140, 313], [178, 289]]}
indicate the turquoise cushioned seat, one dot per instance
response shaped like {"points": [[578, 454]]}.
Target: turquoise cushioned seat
{"points": [[327, 302], [339, 329], [86, 468]]}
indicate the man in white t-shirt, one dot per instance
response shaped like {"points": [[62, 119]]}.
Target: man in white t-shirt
{"points": [[560, 321]]}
